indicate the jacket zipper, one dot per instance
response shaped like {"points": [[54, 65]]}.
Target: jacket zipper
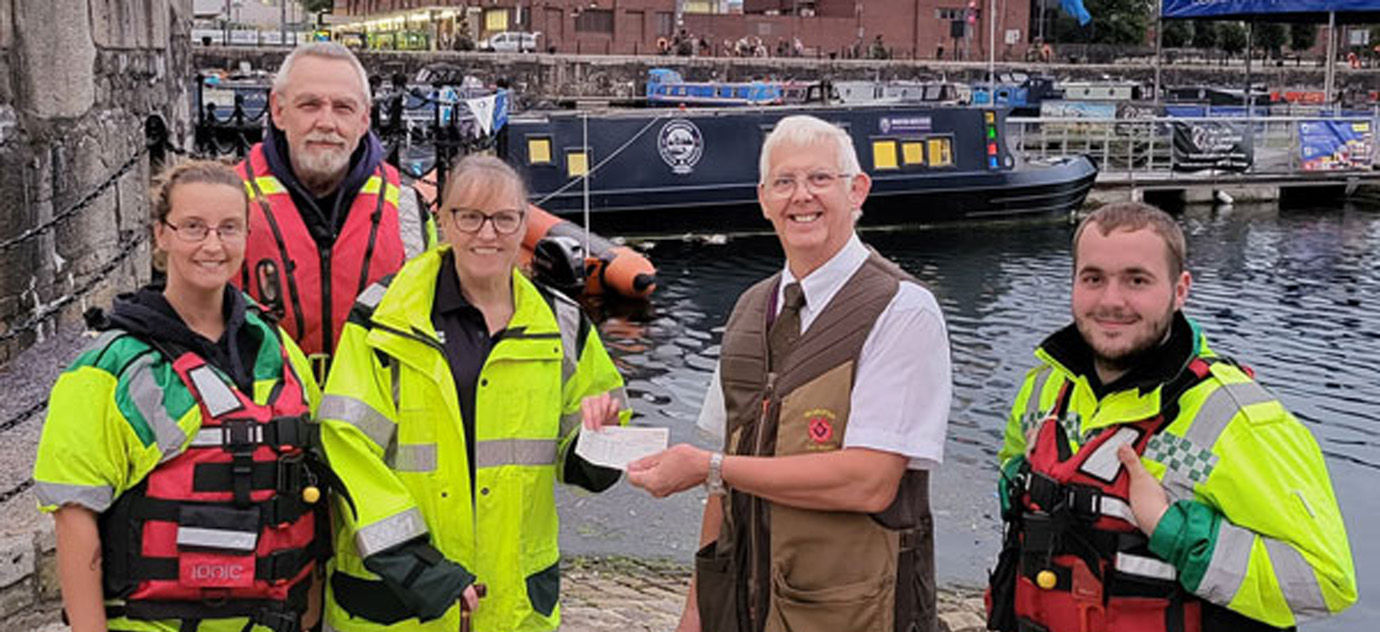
{"points": [[758, 507]]}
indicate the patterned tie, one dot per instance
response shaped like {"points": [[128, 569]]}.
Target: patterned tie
{"points": [[785, 331]]}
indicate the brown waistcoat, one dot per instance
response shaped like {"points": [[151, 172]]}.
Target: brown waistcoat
{"points": [[777, 568]]}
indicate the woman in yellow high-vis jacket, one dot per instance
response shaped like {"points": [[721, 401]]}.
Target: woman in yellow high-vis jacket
{"points": [[452, 408]]}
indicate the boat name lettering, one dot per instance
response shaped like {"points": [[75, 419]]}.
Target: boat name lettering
{"points": [[905, 124], [681, 145]]}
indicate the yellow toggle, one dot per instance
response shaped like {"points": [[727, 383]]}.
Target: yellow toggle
{"points": [[1046, 579], [311, 494]]}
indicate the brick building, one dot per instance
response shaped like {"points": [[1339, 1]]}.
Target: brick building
{"points": [[908, 28]]}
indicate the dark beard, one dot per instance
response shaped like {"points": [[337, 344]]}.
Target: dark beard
{"points": [[1137, 356]]}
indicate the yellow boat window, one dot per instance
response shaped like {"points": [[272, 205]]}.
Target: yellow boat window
{"points": [[576, 164], [884, 154], [913, 152], [941, 152], [539, 151]]}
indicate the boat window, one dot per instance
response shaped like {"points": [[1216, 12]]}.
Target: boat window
{"points": [[742, 93], [884, 154], [539, 150], [941, 152], [576, 163], [913, 152]]}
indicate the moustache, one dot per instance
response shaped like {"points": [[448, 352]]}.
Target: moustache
{"points": [[324, 137]]}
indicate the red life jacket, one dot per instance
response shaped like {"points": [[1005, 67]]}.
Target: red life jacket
{"points": [[308, 289], [222, 529], [1084, 566]]}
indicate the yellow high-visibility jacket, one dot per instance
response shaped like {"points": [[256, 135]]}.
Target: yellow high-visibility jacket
{"points": [[392, 433]]}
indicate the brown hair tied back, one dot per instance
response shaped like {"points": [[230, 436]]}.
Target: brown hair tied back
{"points": [[189, 172]]}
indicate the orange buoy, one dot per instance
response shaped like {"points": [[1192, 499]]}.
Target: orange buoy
{"points": [[609, 268]]}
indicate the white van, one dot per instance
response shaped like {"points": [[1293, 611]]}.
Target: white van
{"points": [[510, 42]]}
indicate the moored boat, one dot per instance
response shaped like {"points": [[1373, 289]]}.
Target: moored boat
{"points": [[667, 87], [658, 171]]}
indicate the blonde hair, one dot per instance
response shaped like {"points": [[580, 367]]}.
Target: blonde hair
{"points": [[189, 172], [477, 171]]}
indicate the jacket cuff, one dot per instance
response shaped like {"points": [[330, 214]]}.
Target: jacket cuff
{"points": [[575, 470]]}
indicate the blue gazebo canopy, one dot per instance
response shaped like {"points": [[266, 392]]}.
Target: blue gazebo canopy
{"points": [[1347, 11]]}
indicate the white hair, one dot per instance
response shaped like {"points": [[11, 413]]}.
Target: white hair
{"points": [[802, 130], [323, 50]]}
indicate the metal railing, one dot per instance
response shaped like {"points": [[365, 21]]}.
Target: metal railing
{"points": [[1142, 147]]}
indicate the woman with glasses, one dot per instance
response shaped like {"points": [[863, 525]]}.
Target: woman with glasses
{"points": [[452, 408], [174, 453]]}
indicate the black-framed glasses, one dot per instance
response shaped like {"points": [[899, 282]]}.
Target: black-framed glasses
{"points": [[469, 220], [193, 231]]}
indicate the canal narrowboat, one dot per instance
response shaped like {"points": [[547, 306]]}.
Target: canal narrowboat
{"points": [[658, 171], [666, 87]]}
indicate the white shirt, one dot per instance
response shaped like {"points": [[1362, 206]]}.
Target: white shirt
{"points": [[901, 394]]}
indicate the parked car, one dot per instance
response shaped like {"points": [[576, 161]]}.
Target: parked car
{"points": [[510, 42]]}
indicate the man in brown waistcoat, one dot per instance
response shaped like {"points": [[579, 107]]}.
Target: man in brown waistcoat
{"points": [[832, 397]]}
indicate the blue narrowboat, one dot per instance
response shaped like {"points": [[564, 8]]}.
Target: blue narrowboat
{"points": [[667, 87], [656, 171]]}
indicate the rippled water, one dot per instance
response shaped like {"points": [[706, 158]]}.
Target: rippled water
{"points": [[1292, 293]]}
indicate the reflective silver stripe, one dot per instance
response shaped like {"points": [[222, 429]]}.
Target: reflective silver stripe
{"points": [[411, 226], [97, 498], [1104, 463], [148, 400], [515, 452], [1230, 558], [568, 320], [390, 531], [1032, 405], [1296, 580], [223, 539], [1219, 409], [355, 412], [414, 457], [212, 391], [571, 421], [212, 436], [371, 295], [1116, 508], [620, 395], [1145, 567]]}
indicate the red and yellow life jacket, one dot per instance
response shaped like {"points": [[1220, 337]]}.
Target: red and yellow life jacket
{"points": [[1083, 564], [308, 289], [230, 527]]}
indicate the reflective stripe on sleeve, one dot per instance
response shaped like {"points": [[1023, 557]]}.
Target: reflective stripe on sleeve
{"points": [[1230, 558], [413, 457], [389, 532], [148, 400], [1033, 414], [411, 224], [1220, 408], [570, 421], [1297, 581], [499, 452], [372, 295], [97, 498], [1145, 567], [568, 321], [372, 423]]}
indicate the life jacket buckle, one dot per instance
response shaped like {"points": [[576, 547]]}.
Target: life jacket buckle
{"points": [[1084, 502], [291, 473], [240, 435]]}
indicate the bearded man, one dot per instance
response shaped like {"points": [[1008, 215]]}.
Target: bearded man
{"points": [[328, 216], [1149, 484]]}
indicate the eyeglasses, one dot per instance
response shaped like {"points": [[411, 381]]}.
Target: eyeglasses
{"points": [[817, 182], [472, 221], [194, 231]]}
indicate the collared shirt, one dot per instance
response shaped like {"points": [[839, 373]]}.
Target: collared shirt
{"points": [[900, 401], [465, 335]]}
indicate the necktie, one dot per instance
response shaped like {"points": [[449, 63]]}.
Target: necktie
{"points": [[785, 331]]}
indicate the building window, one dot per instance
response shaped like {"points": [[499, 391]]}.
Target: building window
{"points": [[665, 23], [594, 21], [947, 13], [496, 20]]}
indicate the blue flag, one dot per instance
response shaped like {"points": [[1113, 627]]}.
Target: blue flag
{"points": [[1076, 9]]}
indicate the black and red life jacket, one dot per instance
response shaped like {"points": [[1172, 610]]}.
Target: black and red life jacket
{"points": [[224, 528], [1080, 562]]}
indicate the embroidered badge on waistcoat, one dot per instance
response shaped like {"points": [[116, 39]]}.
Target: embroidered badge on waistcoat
{"points": [[820, 426]]}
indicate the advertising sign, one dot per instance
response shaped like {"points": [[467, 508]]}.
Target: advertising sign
{"points": [[1326, 145], [1200, 145]]}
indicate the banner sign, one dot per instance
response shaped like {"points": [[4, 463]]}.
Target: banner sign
{"points": [[1330, 145], [1221, 8], [1218, 145]]}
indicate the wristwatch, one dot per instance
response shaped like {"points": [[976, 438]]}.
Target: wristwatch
{"points": [[714, 481]]}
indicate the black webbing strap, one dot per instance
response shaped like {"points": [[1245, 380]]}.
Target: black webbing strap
{"points": [[280, 509]]}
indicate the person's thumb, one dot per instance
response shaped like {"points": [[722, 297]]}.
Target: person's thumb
{"points": [[1128, 457]]}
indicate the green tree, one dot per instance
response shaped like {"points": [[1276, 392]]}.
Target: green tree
{"points": [[1272, 37], [1177, 34], [1205, 34], [1232, 38], [1113, 22], [1302, 36]]}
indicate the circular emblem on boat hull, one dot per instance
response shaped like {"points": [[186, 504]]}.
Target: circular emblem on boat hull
{"points": [[680, 145]]}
